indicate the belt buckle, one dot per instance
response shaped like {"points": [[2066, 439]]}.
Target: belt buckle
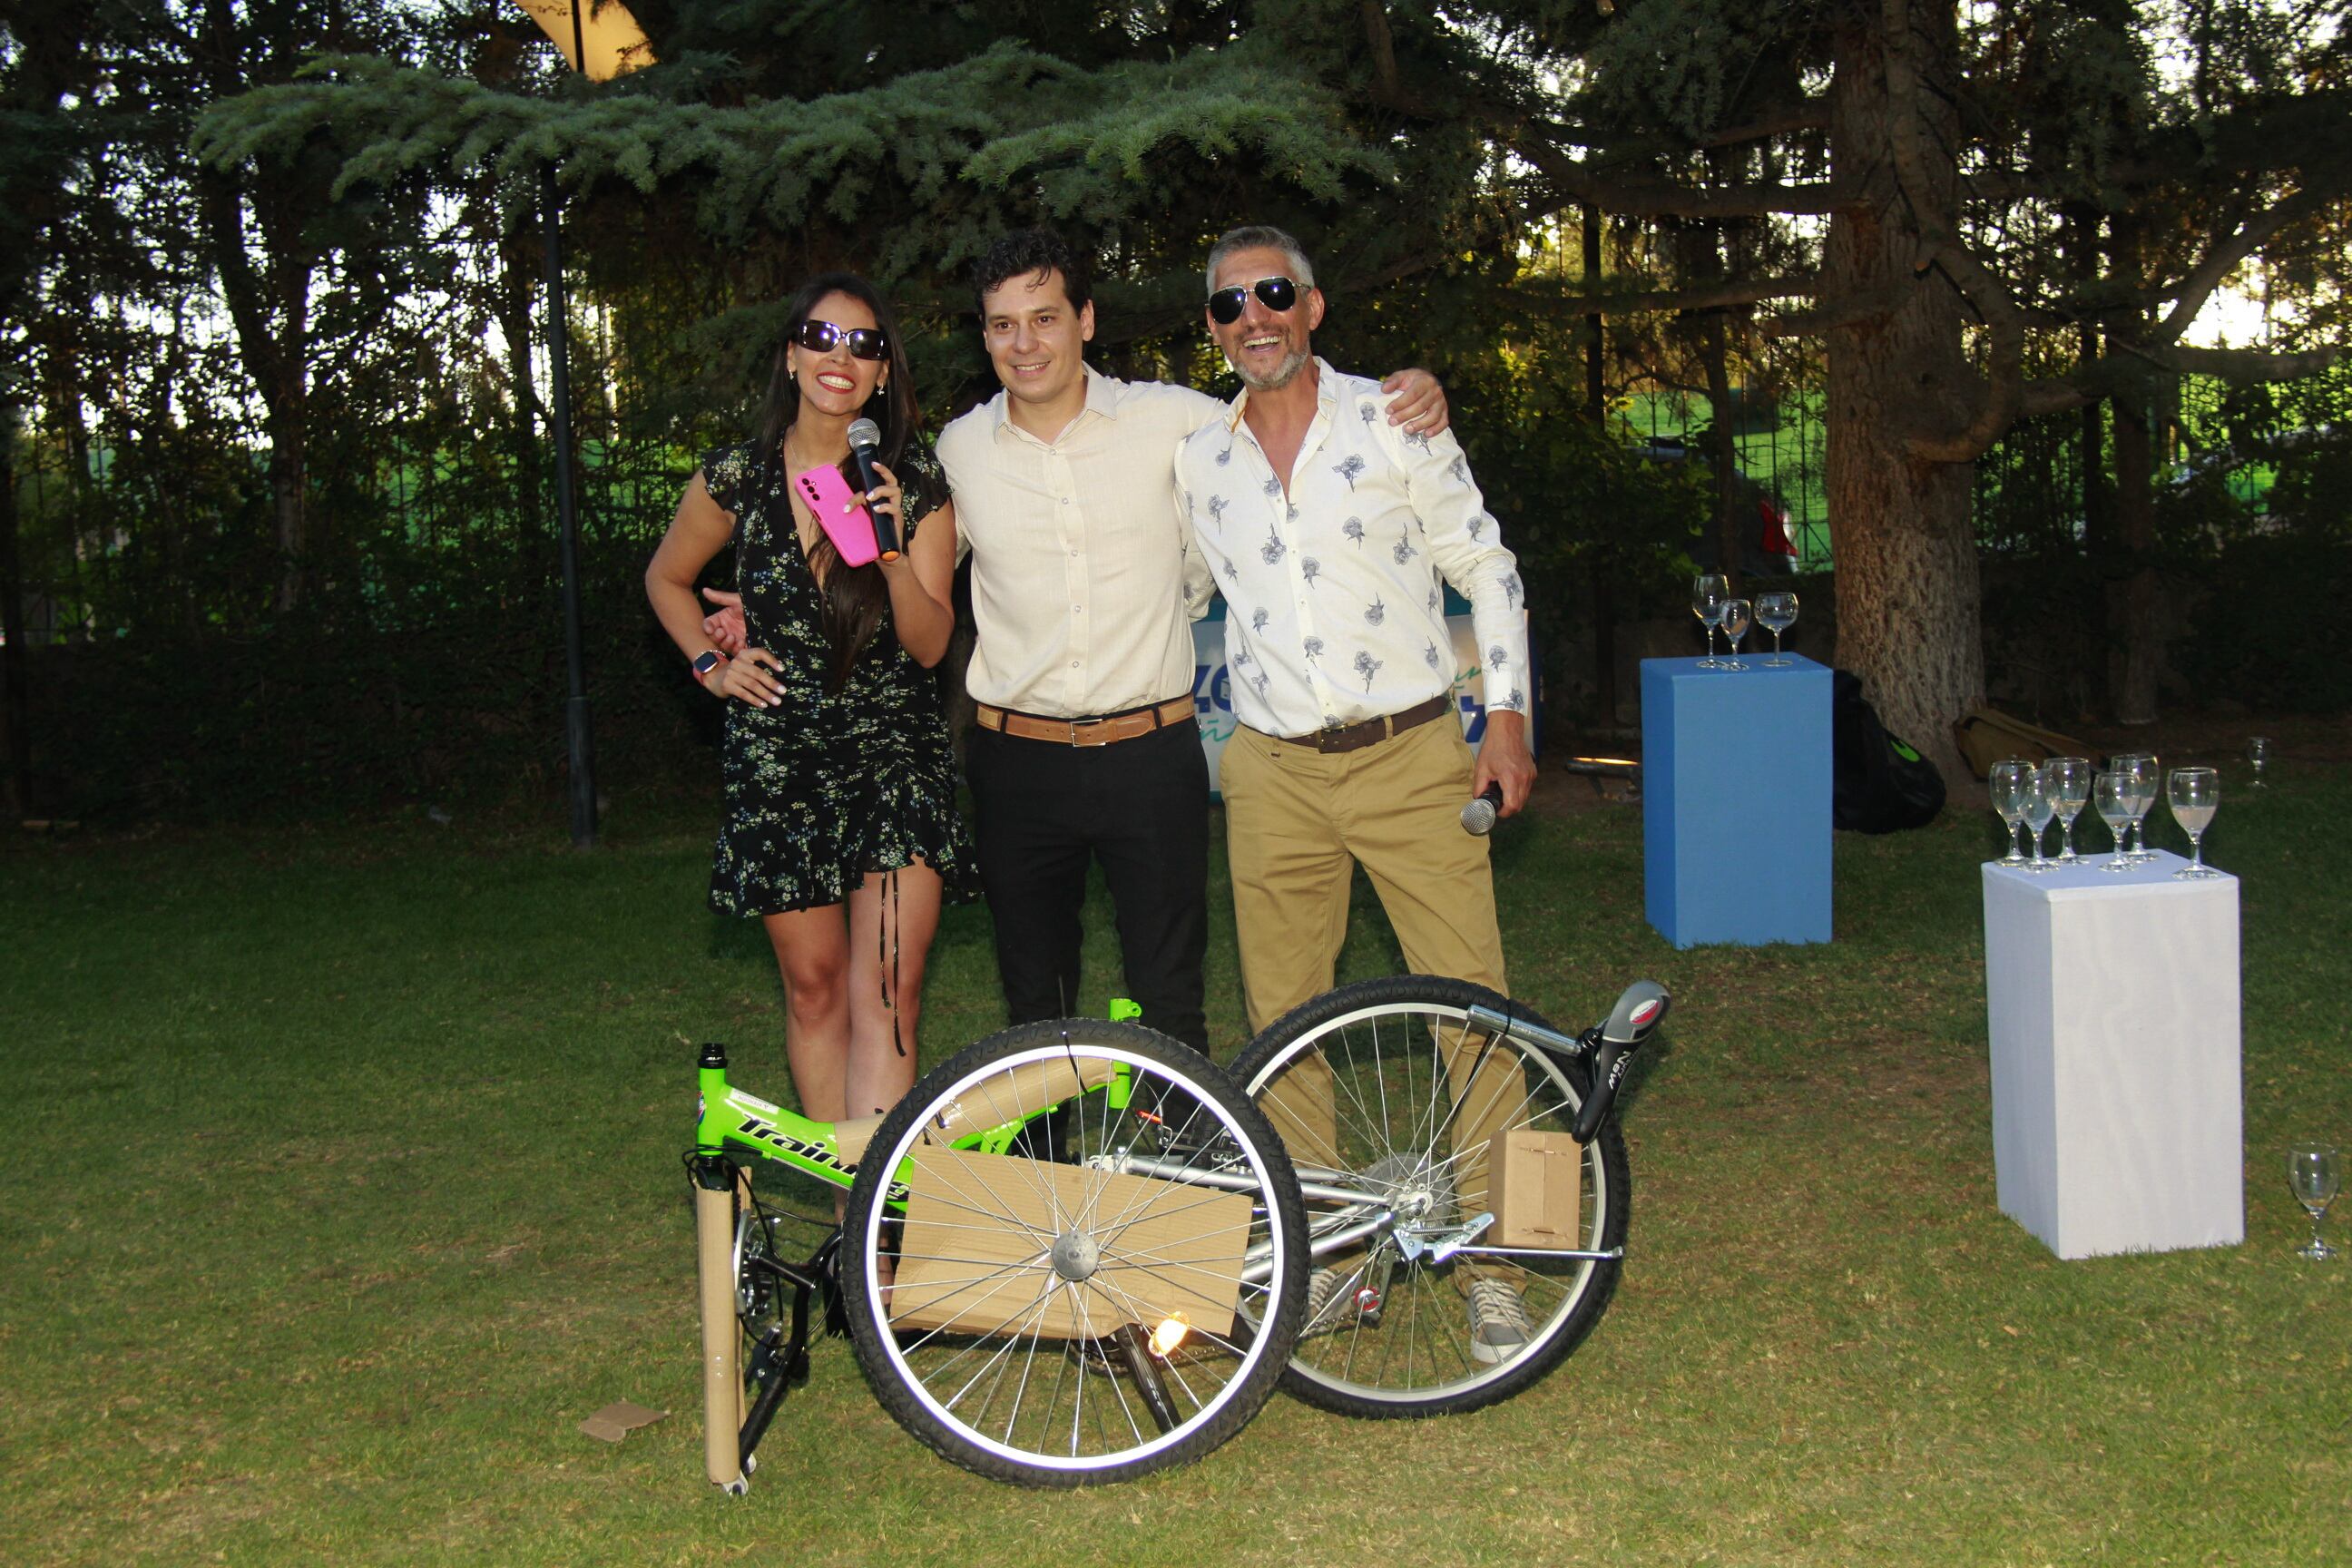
{"points": [[1088, 732]]}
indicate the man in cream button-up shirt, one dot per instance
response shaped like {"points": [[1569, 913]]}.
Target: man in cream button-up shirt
{"points": [[1084, 584]]}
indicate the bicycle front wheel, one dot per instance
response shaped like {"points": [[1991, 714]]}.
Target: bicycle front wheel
{"points": [[1390, 1099], [1073, 1255]]}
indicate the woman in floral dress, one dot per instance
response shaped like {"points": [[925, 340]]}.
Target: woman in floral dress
{"points": [[841, 830]]}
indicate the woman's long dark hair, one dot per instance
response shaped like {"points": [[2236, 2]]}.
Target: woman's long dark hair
{"points": [[854, 595]]}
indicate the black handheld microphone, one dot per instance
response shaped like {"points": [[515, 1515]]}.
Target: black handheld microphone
{"points": [[864, 437], [1478, 816]]}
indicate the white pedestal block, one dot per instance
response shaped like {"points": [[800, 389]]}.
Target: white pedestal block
{"points": [[2114, 1009]]}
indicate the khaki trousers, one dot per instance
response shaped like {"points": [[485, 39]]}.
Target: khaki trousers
{"points": [[1298, 821]]}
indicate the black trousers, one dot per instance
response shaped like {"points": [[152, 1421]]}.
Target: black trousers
{"points": [[1141, 808]]}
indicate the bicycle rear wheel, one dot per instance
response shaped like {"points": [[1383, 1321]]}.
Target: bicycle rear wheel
{"points": [[1077, 1195], [1386, 1096]]}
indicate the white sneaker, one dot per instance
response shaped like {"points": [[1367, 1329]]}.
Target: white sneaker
{"points": [[1499, 1328]]}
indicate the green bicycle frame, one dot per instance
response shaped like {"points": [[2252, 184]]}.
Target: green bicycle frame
{"points": [[738, 1118]]}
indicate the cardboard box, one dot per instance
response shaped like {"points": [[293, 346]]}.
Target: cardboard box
{"points": [[977, 1253], [1536, 1187]]}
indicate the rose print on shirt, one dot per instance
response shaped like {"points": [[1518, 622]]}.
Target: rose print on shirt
{"points": [[1495, 657], [1353, 529], [1272, 487], [1232, 573], [1434, 600], [1310, 569], [1403, 550], [1348, 469], [1367, 667], [1225, 457], [1258, 619], [1429, 655], [1313, 649], [1217, 505], [1415, 439], [1273, 550], [1478, 526], [1460, 468], [1368, 412], [1511, 590], [1375, 611]]}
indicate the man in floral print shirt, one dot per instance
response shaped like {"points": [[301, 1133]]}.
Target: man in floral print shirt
{"points": [[1331, 535]]}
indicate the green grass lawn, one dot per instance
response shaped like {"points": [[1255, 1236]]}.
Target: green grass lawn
{"points": [[338, 1180]]}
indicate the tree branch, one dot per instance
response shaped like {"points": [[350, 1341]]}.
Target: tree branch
{"points": [[2223, 259], [1578, 182], [1940, 246], [1696, 297]]}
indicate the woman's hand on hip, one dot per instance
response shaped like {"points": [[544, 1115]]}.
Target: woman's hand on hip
{"points": [[751, 675]]}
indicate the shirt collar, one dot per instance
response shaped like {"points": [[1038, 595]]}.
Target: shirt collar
{"points": [[1102, 397], [1327, 395]]}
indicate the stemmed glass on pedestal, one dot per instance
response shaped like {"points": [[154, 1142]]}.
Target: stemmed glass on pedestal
{"points": [[2068, 779], [2040, 806], [1708, 594], [2010, 780], [1776, 612], [2258, 752], [2196, 796], [2111, 797], [2140, 769], [1736, 616], [2311, 1175]]}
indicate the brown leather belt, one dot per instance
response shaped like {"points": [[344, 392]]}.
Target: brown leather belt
{"points": [[1373, 732], [1100, 732]]}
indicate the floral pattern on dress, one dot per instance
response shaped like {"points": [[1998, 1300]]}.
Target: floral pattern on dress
{"points": [[827, 786]]}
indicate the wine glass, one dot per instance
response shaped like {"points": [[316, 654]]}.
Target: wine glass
{"points": [[2140, 768], [2069, 781], [2196, 794], [1735, 616], [1776, 612], [2312, 1176], [1708, 594], [2040, 805], [2007, 780], [2258, 748], [2111, 797]]}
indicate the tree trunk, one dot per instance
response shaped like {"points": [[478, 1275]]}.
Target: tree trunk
{"points": [[1596, 409], [1722, 450], [288, 482], [517, 256], [2142, 620], [1906, 562], [15, 685]]}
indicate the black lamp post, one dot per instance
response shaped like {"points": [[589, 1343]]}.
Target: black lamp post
{"points": [[619, 46]]}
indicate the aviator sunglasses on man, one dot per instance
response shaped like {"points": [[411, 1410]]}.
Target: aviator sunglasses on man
{"points": [[1274, 293], [865, 342]]}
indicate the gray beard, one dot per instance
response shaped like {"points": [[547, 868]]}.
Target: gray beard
{"points": [[1283, 374]]}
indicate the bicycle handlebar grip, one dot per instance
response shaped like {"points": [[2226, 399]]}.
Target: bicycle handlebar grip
{"points": [[1639, 1011], [1609, 1064]]}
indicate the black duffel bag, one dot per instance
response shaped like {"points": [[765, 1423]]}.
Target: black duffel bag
{"points": [[1878, 783]]}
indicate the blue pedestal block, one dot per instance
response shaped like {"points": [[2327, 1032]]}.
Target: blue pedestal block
{"points": [[1735, 801]]}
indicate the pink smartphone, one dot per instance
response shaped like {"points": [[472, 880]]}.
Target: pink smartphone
{"points": [[840, 513]]}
